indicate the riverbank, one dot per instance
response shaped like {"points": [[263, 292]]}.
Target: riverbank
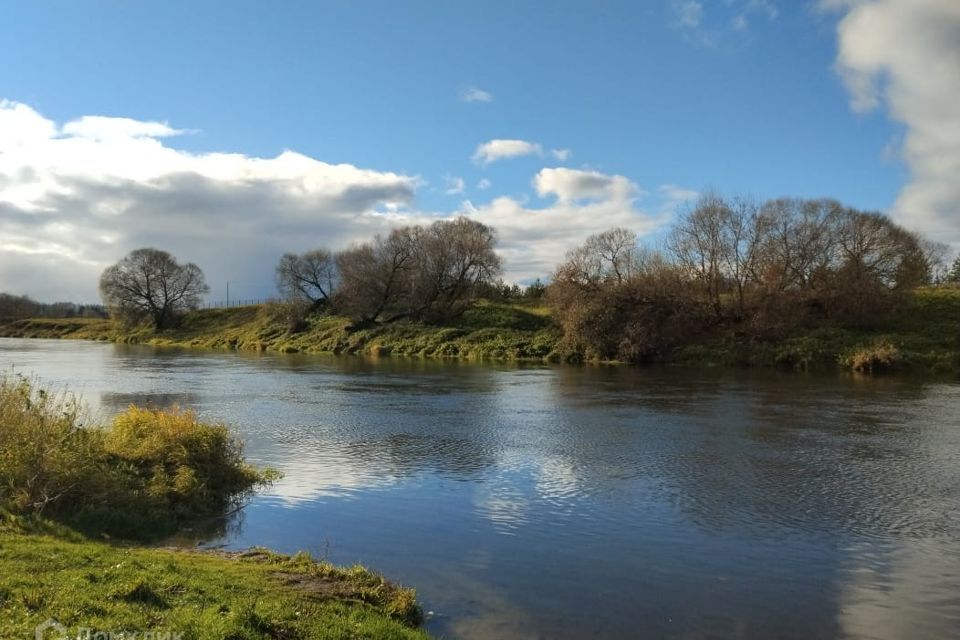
{"points": [[922, 336], [68, 483], [486, 331], [48, 572]]}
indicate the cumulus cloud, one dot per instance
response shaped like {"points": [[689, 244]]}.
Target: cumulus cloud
{"points": [[534, 240], [475, 94], [494, 150], [575, 184], [76, 198], [561, 154], [904, 56], [484, 184]]}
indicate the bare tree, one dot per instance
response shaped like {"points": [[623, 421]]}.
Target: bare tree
{"points": [[615, 299], [799, 244], [742, 232], [871, 247], [374, 276], [935, 255], [427, 273], [150, 283], [612, 256], [697, 243], [617, 249], [452, 258], [309, 277]]}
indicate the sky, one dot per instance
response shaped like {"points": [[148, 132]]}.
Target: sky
{"points": [[230, 133]]}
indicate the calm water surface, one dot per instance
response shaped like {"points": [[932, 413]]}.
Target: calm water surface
{"points": [[565, 502]]}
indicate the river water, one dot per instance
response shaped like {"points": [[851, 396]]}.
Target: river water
{"points": [[572, 502]]}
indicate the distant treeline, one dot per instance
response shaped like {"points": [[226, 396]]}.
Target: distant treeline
{"points": [[13, 307], [762, 270]]}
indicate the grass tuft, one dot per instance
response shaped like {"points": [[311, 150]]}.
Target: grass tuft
{"points": [[875, 358]]}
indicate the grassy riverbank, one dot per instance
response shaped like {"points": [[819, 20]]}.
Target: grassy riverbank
{"points": [[47, 571], [70, 487], [486, 331], [924, 335]]}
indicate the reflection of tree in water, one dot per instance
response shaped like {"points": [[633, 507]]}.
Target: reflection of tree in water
{"points": [[117, 401], [653, 390], [358, 366]]}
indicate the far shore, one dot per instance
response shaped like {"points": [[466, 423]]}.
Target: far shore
{"points": [[925, 338]]}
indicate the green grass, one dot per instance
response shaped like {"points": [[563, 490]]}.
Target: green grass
{"points": [[487, 331], [65, 483], [925, 334], [46, 572]]}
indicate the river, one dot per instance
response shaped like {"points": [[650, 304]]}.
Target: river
{"points": [[571, 502]]}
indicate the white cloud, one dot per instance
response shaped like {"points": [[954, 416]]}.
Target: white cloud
{"points": [[561, 154], [475, 94], [20, 125], [74, 200], [575, 184], [494, 150], [454, 185], [484, 184], [105, 128], [904, 55], [534, 240]]}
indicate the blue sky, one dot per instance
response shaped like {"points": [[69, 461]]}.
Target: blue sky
{"points": [[739, 95]]}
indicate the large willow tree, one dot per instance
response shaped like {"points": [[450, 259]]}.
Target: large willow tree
{"points": [[149, 284]]}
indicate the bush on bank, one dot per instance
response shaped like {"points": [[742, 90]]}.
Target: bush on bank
{"points": [[142, 476]]}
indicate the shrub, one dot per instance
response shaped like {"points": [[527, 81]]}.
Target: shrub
{"points": [[880, 356], [176, 465], [45, 455], [145, 475]]}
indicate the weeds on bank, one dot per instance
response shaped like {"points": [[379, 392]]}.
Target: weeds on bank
{"points": [[142, 476]]}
